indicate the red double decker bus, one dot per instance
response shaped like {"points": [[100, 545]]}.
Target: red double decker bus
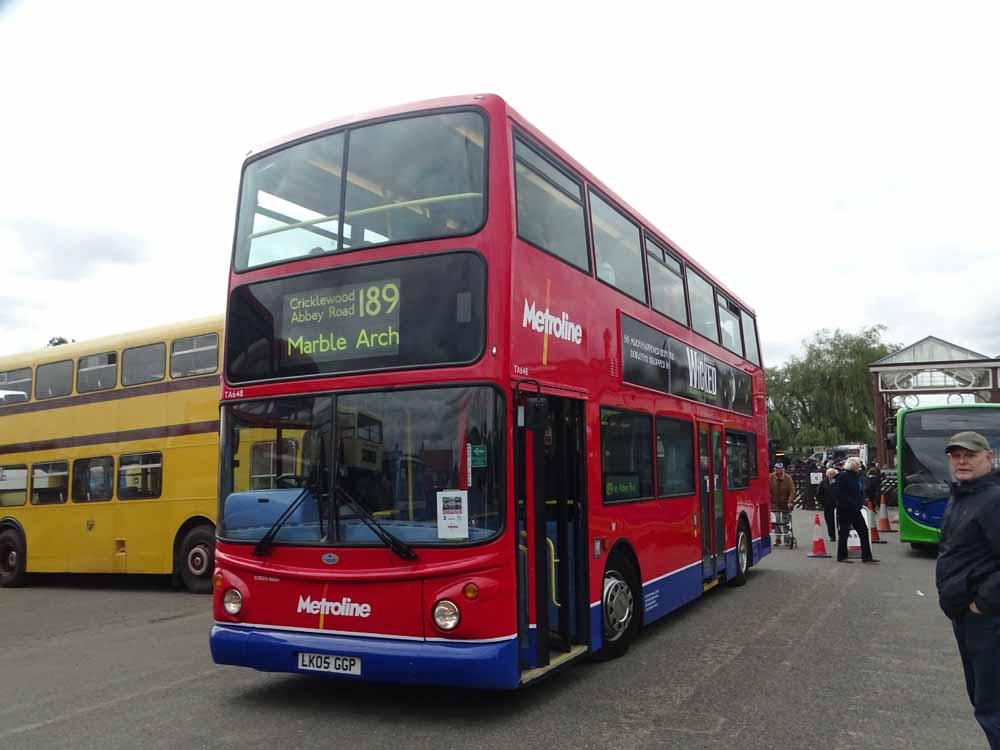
{"points": [[479, 417]]}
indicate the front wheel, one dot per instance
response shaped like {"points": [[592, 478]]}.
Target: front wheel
{"points": [[197, 559], [621, 598], [12, 559], [742, 556]]}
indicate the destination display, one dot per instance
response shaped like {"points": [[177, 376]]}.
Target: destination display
{"points": [[422, 311], [345, 322], [653, 359]]}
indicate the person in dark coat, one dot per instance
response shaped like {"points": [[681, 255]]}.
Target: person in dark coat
{"points": [[873, 486], [968, 573], [850, 500], [826, 496]]}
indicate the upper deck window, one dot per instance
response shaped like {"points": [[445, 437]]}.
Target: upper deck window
{"points": [[97, 372], [617, 251], [54, 379], [729, 323], [15, 386], [666, 283], [408, 179], [550, 207], [702, 306], [750, 337], [194, 355], [143, 364]]}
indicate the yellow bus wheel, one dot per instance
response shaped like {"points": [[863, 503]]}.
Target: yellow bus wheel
{"points": [[12, 558], [197, 559]]}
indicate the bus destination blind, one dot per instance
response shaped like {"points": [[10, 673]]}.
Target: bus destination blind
{"points": [[343, 322]]}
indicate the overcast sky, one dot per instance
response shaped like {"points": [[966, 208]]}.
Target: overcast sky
{"points": [[836, 165]]}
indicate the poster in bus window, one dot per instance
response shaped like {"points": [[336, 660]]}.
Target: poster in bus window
{"points": [[453, 514]]}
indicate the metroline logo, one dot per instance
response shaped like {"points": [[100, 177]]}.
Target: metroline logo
{"points": [[543, 321], [345, 607]]}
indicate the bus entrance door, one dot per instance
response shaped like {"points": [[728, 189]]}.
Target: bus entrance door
{"points": [[552, 590], [713, 528]]}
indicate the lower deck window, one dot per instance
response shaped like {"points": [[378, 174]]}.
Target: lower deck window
{"points": [[626, 455], [49, 484], [93, 479], [140, 476], [13, 485]]}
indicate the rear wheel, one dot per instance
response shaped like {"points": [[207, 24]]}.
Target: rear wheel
{"points": [[196, 559], [12, 559], [742, 556], [621, 598]]}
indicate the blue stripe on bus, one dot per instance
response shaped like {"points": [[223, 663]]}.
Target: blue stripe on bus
{"points": [[478, 665]]}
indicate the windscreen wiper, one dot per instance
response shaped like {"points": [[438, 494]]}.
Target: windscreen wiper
{"points": [[398, 546], [267, 541]]}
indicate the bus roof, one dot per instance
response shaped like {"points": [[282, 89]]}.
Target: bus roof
{"points": [[113, 342], [496, 103]]}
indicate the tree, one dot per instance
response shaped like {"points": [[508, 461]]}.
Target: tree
{"points": [[58, 341], [825, 396]]}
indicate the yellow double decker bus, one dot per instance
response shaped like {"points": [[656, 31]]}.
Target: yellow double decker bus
{"points": [[109, 456]]}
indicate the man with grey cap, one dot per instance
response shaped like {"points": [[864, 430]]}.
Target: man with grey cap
{"points": [[968, 573]]}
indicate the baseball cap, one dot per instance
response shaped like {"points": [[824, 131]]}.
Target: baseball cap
{"points": [[971, 441], [779, 465]]}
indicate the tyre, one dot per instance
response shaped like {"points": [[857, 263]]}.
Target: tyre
{"points": [[196, 559], [743, 555], [13, 558], [621, 602]]}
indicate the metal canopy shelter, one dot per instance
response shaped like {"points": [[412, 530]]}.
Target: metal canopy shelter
{"points": [[930, 366]]}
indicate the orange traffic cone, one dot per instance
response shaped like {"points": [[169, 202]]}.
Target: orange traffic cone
{"points": [[874, 531], [883, 518], [819, 546]]}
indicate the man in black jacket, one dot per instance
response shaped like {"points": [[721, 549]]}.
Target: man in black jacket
{"points": [[850, 501], [968, 573], [826, 495]]}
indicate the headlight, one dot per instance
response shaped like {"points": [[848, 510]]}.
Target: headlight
{"points": [[232, 601], [446, 615]]}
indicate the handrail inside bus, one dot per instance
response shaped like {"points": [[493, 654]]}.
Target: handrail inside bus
{"points": [[367, 211]]}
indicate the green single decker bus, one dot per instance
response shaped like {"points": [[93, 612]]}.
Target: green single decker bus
{"points": [[922, 466]]}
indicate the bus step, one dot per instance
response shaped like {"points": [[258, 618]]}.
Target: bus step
{"points": [[557, 659]]}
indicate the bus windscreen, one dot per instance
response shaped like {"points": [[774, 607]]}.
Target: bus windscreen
{"points": [[413, 312]]}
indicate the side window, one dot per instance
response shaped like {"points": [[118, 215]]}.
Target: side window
{"points": [[750, 337], [93, 479], [550, 207], [143, 364], [13, 485], [97, 372], [729, 322], [666, 283], [626, 455], [674, 457], [49, 485], [195, 355], [737, 461], [140, 476], [54, 379], [702, 306], [15, 386], [266, 465], [616, 248]]}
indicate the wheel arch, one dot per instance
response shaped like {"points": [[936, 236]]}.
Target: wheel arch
{"points": [[8, 522]]}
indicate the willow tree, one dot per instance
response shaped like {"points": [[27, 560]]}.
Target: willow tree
{"points": [[824, 396]]}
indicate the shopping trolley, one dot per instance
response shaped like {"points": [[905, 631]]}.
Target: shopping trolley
{"points": [[781, 529]]}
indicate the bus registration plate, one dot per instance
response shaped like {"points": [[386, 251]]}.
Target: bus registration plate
{"points": [[330, 663]]}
